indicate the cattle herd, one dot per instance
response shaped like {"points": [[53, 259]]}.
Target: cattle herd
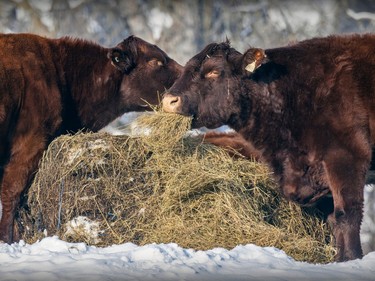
{"points": [[307, 110]]}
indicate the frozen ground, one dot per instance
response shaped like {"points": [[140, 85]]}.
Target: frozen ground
{"points": [[52, 259]]}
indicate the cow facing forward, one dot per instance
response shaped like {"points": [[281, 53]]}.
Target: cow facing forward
{"points": [[52, 86], [309, 112]]}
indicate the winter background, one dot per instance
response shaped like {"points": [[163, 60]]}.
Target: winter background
{"points": [[182, 28]]}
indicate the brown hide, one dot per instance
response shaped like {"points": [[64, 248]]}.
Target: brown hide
{"points": [[308, 111], [52, 86], [235, 144]]}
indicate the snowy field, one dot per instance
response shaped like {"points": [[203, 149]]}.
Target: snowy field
{"points": [[52, 259]]}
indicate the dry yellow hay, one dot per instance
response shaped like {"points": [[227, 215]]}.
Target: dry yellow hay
{"points": [[164, 187]]}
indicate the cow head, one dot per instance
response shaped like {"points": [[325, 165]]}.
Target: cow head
{"points": [[301, 180], [147, 71], [209, 88]]}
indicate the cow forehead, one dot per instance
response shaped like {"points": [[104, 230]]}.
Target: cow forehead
{"points": [[150, 49], [215, 62], [143, 47], [205, 59]]}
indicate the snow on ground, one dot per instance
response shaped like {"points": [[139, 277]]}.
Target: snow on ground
{"points": [[53, 259]]}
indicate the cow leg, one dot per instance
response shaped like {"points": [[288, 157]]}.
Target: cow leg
{"points": [[232, 141], [17, 174], [346, 174]]}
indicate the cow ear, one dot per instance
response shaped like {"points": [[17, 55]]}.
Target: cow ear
{"points": [[252, 59], [121, 60]]}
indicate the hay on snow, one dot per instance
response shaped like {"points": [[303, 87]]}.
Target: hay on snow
{"points": [[164, 186]]}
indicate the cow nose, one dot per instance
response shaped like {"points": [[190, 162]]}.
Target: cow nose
{"points": [[171, 103]]}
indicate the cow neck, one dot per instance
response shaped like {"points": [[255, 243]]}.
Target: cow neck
{"points": [[265, 127], [240, 112], [91, 84]]}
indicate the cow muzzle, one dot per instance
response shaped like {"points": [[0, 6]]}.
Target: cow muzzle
{"points": [[171, 103]]}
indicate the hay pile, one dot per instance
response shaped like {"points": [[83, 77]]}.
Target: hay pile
{"points": [[165, 187]]}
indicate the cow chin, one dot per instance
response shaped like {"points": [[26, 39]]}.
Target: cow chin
{"points": [[200, 121]]}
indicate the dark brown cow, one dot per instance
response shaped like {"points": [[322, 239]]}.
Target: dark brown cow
{"points": [[52, 86], [309, 112]]}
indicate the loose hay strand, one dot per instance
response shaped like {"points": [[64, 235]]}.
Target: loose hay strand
{"points": [[166, 186]]}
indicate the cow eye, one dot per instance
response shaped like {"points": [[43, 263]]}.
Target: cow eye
{"points": [[212, 74], [155, 62]]}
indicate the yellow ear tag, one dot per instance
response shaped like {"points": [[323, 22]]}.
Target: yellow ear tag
{"points": [[251, 66]]}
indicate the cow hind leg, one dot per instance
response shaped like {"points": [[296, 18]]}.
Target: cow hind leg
{"points": [[346, 174], [17, 174]]}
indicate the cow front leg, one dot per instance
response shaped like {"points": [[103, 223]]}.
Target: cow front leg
{"points": [[346, 175], [17, 174], [9, 202], [346, 231]]}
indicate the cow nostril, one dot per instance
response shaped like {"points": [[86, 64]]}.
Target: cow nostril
{"points": [[174, 100], [171, 103]]}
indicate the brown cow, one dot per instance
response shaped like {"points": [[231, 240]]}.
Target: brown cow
{"points": [[309, 112], [52, 86]]}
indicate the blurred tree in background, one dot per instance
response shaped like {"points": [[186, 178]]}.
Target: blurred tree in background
{"points": [[182, 28]]}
